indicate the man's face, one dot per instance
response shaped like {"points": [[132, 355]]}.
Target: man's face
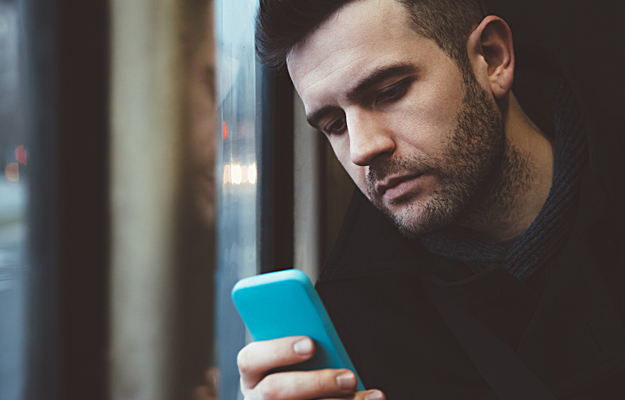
{"points": [[420, 139]]}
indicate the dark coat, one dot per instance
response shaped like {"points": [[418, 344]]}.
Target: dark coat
{"points": [[571, 333]]}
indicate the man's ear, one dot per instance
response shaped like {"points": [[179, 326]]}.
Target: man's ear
{"points": [[491, 53]]}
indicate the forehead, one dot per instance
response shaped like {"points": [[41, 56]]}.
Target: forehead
{"points": [[359, 38]]}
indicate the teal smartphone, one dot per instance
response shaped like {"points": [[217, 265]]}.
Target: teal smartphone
{"points": [[285, 303]]}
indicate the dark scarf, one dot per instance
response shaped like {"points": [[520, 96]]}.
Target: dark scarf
{"points": [[549, 231]]}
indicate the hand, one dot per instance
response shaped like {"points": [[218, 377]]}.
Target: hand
{"points": [[258, 358]]}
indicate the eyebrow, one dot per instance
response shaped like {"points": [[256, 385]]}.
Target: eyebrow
{"points": [[373, 79]]}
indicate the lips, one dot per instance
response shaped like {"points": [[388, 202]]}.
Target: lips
{"points": [[395, 187]]}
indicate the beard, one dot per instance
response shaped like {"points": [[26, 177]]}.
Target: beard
{"points": [[466, 173]]}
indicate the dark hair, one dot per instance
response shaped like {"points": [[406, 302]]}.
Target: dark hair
{"points": [[281, 24]]}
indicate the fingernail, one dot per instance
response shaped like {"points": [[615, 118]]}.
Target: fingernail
{"points": [[303, 347], [346, 380], [374, 396]]}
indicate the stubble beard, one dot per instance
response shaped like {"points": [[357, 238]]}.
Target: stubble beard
{"points": [[473, 175]]}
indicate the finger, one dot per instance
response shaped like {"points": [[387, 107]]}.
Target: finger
{"points": [[258, 358], [366, 395], [300, 385]]}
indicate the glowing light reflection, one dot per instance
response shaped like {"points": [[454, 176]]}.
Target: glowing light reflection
{"points": [[236, 174], [244, 173], [251, 174], [227, 174]]}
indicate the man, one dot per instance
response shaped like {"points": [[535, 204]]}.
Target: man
{"points": [[490, 197]]}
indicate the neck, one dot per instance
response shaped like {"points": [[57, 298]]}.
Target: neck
{"points": [[521, 188]]}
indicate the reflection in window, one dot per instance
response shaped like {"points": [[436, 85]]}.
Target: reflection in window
{"points": [[13, 204], [238, 232]]}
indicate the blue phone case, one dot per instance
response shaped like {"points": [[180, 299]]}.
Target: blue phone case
{"points": [[285, 303]]}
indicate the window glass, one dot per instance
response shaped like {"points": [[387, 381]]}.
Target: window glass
{"points": [[13, 205], [237, 176]]}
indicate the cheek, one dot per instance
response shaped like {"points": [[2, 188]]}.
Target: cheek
{"points": [[359, 176], [429, 122], [356, 172]]}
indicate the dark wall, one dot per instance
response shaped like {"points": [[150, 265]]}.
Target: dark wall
{"points": [[588, 36]]}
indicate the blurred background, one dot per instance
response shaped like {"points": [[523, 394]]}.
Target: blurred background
{"points": [[147, 162]]}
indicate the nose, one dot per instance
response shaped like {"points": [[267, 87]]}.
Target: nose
{"points": [[369, 137]]}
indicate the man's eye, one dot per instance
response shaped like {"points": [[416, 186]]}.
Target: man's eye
{"points": [[337, 126], [393, 93]]}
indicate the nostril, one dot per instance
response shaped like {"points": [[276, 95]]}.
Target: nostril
{"points": [[363, 153], [368, 136]]}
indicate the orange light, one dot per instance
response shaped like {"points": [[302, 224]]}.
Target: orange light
{"points": [[12, 172], [225, 131]]}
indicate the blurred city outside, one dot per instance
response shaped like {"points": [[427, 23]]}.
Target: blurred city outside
{"points": [[191, 345], [13, 198], [13, 205]]}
